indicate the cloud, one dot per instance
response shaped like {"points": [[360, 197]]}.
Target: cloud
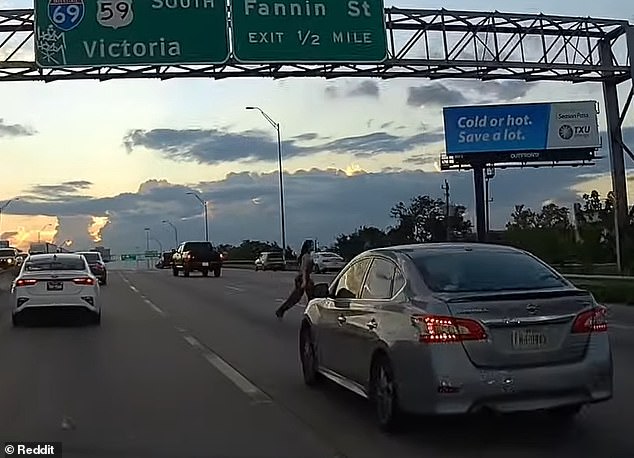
{"points": [[434, 94], [421, 159], [8, 235], [366, 88], [319, 203], [62, 191], [465, 92], [215, 146], [68, 187], [75, 228], [504, 90], [15, 130]]}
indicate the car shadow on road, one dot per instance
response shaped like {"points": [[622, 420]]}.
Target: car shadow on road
{"points": [[536, 431], [56, 319]]}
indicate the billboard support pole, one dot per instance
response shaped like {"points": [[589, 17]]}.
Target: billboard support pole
{"points": [[617, 162], [478, 187]]}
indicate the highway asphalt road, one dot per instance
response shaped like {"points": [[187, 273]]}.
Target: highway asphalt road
{"points": [[185, 367]]}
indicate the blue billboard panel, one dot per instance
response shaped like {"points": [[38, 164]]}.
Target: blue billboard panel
{"points": [[521, 127]]}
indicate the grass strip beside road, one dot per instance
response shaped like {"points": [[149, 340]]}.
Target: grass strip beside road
{"points": [[609, 291]]}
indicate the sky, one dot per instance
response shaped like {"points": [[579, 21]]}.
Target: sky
{"points": [[97, 162]]}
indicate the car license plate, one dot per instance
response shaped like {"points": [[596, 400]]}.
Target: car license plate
{"points": [[205, 264], [55, 286], [528, 339]]}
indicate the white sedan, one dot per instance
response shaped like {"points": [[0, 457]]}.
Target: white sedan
{"points": [[62, 281]]}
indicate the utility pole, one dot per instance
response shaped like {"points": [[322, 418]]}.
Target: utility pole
{"points": [[445, 188], [489, 174]]}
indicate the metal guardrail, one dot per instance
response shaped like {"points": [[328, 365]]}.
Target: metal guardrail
{"points": [[242, 264], [292, 265]]}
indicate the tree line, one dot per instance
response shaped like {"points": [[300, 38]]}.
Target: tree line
{"points": [[554, 233]]}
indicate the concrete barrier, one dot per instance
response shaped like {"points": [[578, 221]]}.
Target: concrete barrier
{"points": [[240, 264]]}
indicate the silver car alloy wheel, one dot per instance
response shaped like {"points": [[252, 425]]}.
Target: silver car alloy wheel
{"points": [[384, 394], [309, 361]]}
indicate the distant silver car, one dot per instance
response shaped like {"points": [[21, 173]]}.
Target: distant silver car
{"points": [[325, 261], [457, 328]]}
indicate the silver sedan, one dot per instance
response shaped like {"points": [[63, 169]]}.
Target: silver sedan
{"points": [[455, 329]]}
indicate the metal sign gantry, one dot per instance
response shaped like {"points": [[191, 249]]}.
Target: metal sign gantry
{"points": [[421, 44]]}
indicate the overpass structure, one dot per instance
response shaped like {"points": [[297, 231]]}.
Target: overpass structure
{"points": [[421, 43]]}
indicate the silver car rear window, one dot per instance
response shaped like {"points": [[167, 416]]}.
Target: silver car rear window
{"points": [[480, 270]]}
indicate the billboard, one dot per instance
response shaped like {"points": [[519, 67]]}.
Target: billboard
{"points": [[522, 132]]}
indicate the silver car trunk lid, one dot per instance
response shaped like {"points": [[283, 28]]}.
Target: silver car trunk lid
{"points": [[524, 328]]}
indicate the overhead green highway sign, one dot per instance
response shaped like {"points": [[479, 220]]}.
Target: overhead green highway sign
{"points": [[309, 31], [128, 257], [82, 33]]}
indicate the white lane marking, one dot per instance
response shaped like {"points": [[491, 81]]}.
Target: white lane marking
{"points": [[237, 378], [154, 307], [280, 300], [193, 341], [235, 288]]}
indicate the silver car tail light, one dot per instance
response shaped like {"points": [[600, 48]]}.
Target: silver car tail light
{"points": [[446, 329], [594, 320]]}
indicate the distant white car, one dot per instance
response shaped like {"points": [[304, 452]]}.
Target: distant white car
{"points": [[62, 281], [325, 261]]}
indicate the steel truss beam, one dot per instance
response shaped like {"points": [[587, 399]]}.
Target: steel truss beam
{"points": [[422, 44]]}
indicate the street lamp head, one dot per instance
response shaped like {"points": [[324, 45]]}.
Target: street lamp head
{"points": [[251, 108]]}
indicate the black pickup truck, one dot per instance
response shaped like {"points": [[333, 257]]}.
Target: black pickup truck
{"points": [[196, 257]]}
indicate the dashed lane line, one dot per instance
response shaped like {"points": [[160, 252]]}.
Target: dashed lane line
{"points": [[151, 304], [154, 307], [235, 288], [233, 375]]}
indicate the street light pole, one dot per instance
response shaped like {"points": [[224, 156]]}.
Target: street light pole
{"points": [[147, 247], [175, 231], [204, 204], [276, 126], [158, 242], [206, 222]]}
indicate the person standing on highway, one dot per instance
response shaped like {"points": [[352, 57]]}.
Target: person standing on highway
{"points": [[303, 282]]}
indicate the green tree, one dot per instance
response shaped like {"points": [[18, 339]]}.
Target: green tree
{"points": [[595, 220], [424, 219], [522, 218], [547, 234], [364, 238], [249, 250], [553, 216]]}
